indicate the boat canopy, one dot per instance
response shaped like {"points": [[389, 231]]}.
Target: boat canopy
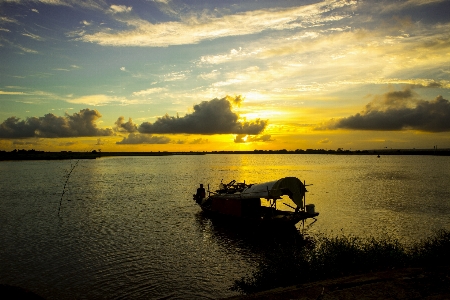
{"points": [[290, 186]]}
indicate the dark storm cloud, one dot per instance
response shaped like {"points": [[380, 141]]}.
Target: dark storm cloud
{"points": [[51, 126], [209, 117], [399, 111], [122, 126], [136, 138]]}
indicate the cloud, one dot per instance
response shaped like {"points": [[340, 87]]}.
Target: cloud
{"points": [[32, 36], [174, 76], [69, 144], [116, 9], [122, 126], [23, 143], [8, 20], [22, 48], [149, 91], [209, 117], [240, 138], [244, 138], [398, 110], [262, 138], [210, 76], [91, 100], [51, 126], [237, 100], [11, 93], [232, 55], [193, 29], [199, 141], [136, 138], [89, 4]]}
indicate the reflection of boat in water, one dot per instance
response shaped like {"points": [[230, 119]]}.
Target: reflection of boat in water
{"points": [[243, 201]]}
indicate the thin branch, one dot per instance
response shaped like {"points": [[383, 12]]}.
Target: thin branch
{"points": [[65, 184]]}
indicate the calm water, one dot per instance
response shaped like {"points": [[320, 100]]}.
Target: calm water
{"points": [[128, 227]]}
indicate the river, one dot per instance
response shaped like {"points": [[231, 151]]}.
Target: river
{"points": [[127, 227]]}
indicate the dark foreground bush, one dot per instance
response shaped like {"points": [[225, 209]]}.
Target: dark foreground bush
{"points": [[330, 257]]}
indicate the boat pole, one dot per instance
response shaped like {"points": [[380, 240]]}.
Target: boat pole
{"points": [[304, 195]]}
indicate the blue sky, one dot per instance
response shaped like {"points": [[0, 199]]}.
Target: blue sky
{"points": [[155, 75]]}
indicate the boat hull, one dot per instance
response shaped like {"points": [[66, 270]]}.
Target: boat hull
{"points": [[231, 209]]}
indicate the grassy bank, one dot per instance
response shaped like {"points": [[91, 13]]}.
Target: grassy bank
{"points": [[330, 257]]}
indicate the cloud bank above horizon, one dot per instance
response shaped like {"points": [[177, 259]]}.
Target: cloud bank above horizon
{"points": [[398, 110]]}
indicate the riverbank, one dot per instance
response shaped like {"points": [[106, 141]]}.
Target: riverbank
{"points": [[407, 283], [326, 258]]}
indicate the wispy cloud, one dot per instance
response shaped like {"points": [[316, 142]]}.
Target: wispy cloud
{"points": [[314, 63], [20, 47], [71, 68], [32, 36], [89, 4], [174, 76], [95, 100], [8, 20], [234, 54], [117, 9], [193, 29], [11, 93], [149, 91]]}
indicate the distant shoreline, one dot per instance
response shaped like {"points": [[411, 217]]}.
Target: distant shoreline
{"points": [[42, 155]]}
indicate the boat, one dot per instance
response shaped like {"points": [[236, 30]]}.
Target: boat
{"points": [[246, 201]]}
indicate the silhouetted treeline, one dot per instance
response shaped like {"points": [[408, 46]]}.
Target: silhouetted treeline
{"points": [[41, 155]]}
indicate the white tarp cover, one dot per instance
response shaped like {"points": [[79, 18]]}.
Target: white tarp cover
{"points": [[290, 186]]}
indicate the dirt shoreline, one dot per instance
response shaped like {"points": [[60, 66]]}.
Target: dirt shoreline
{"points": [[408, 283]]}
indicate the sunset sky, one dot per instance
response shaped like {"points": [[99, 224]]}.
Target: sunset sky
{"points": [[197, 75]]}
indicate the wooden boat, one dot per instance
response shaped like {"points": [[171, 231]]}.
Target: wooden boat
{"points": [[244, 201]]}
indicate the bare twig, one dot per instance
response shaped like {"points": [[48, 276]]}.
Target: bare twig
{"points": [[65, 184]]}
